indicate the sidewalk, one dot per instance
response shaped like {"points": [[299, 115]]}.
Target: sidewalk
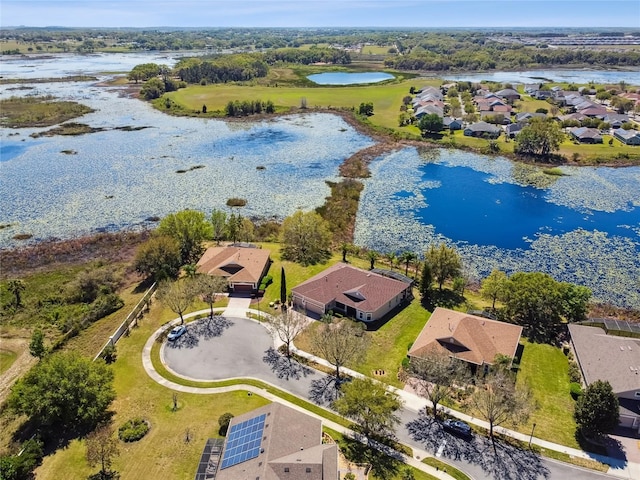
{"points": [[415, 403]]}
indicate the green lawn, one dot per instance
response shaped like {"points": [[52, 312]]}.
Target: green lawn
{"points": [[545, 369], [376, 50], [7, 357]]}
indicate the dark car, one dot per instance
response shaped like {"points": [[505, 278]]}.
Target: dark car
{"points": [[176, 332], [458, 427]]}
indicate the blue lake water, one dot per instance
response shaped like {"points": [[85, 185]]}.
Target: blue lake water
{"points": [[343, 78], [583, 227]]}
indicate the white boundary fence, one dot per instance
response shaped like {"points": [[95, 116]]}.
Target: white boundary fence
{"points": [[131, 320]]}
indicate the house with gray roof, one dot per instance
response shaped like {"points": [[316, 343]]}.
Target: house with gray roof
{"points": [[361, 294], [273, 442], [452, 123], [628, 137], [615, 119], [482, 129], [586, 135], [613, 359], [508, 94]]}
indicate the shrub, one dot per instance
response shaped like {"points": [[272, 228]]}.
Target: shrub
{"points": [[109, 354], [266, 281], [224, 421], [576, 390], [133, 430], [574, 373]]}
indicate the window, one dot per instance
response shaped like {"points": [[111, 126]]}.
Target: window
{"points": [[637, 394], [308, 470], [286, 469]]}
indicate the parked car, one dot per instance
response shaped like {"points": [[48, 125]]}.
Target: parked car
{"points": [[177, 332], [458, 427]]}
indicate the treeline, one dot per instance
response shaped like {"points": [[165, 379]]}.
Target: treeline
{"points": [[227, 68], [243, 108], [306, 57], [490, 57]]}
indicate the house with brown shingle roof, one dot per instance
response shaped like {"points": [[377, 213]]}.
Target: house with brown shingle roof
{"points": [[360, 294], [473, 339], [613, 359], [243, 267], [275, 442]]}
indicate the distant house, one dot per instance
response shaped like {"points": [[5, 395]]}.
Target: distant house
{"points": [[452, 123], [532, 88], [526, 116], [482, 130], [428, 110], [360, 294], [628, 137], [512, 130], [473, 339], [615, 120], [586, 135], [615, 360], [593, 111], [242, 267], [542, 94], [508, 94], [273, 442]]}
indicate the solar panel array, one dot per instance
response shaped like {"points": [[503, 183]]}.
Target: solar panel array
{"points": [[243, 441]]}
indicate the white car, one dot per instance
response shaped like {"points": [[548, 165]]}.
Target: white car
{"points": [[176, 332]]}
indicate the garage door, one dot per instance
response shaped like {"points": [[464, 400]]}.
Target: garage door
{"points": [[240, 288], [626, 422]]}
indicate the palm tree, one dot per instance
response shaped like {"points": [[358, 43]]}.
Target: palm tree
{"points": [[372, 255], [345, 248], [16, 287], [391, 257], [407, 257]]}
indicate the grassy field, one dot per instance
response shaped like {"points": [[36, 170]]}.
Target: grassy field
{"points": [[545, 369], [38, 112], [376, 50], [386, 98], [7, 357]]}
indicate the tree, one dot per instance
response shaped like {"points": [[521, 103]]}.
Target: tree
{"points": [[36, 346], [494, 287], [20, 466], [16, 287], [366, 109], [370, 406], [445, 263], [209, 288], [223, 421], [177, 296], [345, 248], [372, 256], [597, 410], [64, 390], [407, 257], [219, 224], [426, 279], [152, 88], [540, 137], [621, 104], [283, 287], [305, 238], [234, 227], [340, 342], [391, 258], [102, 446], [288, 324], [499, 401], [430, 123], [190, 228], [437, 374], [159, 258]]}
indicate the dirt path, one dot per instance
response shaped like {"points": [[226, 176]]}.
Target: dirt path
{"points": [[23, 363]]}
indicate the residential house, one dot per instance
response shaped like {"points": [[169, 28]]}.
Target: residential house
{"points": [[452, 123], [360, 294], [526, 116], [593, 111], [428, 110], [473, 339], [586, 135], [628, 137], [512, 130], [613, 359], [482, 129], [615, 120], [542, 94], [532, 88], [273, 442], [242, 267], [508, 94]]}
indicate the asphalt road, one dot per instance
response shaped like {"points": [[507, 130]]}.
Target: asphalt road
{"points": [[236, 347]]}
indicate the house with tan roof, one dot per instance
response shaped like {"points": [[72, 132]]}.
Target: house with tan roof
{"points": [[361, 294], [613, 359], [470, 338], [243, 267], [273, 442]]}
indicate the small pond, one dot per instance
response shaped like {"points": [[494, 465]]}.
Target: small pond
{"points": [[343, 78]]}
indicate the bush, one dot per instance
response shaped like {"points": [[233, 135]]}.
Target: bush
{"points": [[574, 373], [133, 430], [576, 390], [224, 421], [109, 354], [266, 281]]}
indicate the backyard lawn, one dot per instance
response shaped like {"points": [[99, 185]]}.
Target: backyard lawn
{"points": [[545, 369], [7, 357]]}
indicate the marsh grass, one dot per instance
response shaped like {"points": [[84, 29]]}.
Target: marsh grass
{"points": [[42, 111]]}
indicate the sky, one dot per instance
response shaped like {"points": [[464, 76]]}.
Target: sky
{"points": [[320, 13]]}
